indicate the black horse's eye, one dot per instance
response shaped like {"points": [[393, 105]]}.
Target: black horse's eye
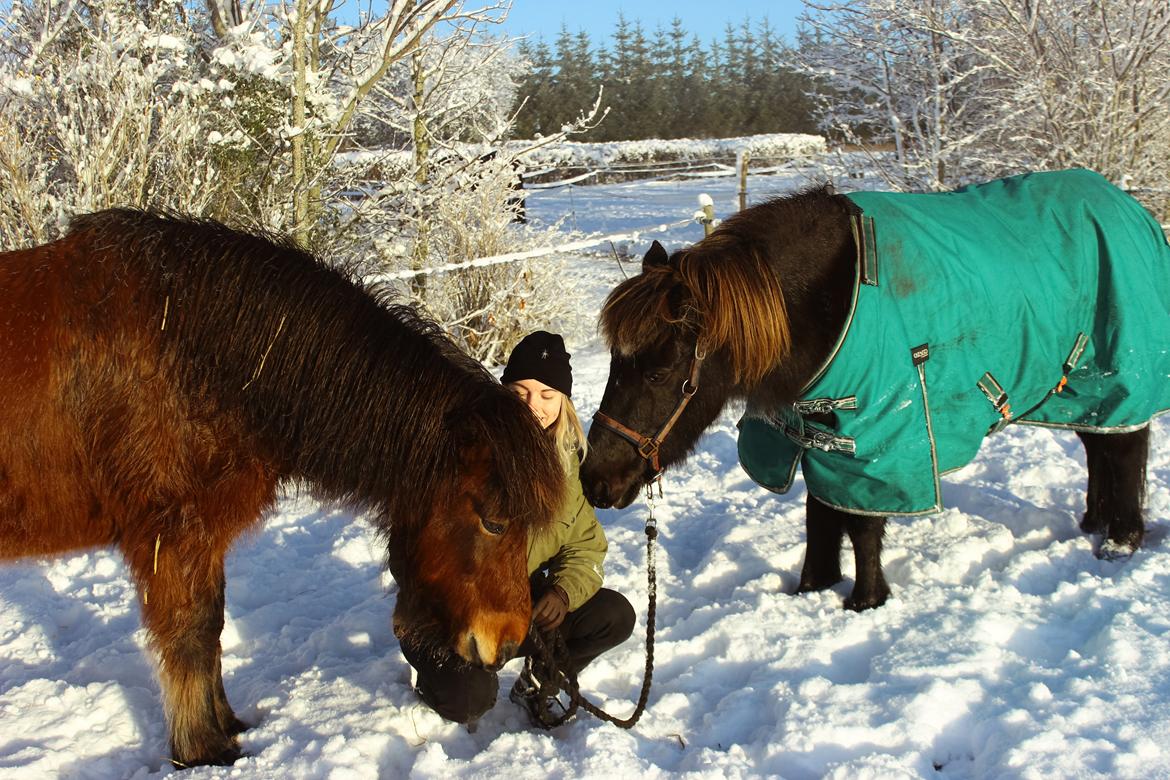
{"points": [[657, 376], [495, 529]]}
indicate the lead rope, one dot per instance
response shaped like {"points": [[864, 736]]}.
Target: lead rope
{"points": [[553, 653]]}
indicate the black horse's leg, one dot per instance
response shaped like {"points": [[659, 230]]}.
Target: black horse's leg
{"points": [[1117, 485], [869, 589], [1095, 518], [824, 529]]}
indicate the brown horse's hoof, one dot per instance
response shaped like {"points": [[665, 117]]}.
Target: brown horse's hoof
{"points": [[225, 756], [235, 726]]}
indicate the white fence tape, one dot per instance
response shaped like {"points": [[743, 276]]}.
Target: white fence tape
{"points": [[664, 171], [529, 254]]}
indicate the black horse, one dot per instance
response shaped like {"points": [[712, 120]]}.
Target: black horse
{"points": [[766, 306]]}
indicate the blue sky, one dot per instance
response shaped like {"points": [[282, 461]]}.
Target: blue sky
{"points": [[705, 18]]}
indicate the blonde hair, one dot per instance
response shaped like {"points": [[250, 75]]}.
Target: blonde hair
{"points": [[568, 433]]}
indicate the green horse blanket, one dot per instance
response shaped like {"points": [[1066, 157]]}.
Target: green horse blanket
{"points": [[1041, 299]]}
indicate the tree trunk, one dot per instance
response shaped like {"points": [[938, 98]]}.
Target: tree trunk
{"points": [[421, 142], [299, 179]]}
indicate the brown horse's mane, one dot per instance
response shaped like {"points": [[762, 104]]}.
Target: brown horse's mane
{"points": [[725, 289], [361, 398]]}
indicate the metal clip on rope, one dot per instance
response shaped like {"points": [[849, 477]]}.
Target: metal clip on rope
{"points": [[651, 521]]}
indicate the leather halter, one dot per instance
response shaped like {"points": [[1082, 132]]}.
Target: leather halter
{"points": [[648, 446]]}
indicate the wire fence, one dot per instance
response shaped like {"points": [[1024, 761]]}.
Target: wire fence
{"points": [[696, 168], [535, 253]]}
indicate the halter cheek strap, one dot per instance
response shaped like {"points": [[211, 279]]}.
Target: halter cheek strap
{"points": [[648, 446]]}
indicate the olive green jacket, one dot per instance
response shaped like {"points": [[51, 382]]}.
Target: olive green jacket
{"points": [[573, 547]]}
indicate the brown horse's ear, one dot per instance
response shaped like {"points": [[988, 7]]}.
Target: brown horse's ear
{"points": [[655, 255]]}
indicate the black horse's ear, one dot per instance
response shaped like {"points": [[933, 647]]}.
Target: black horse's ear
{"points": [[655, 255]]}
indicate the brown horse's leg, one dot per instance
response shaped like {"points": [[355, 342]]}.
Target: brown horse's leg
{"points": [[1117, 484], [824, 529], [182, 607], [223, 710]]}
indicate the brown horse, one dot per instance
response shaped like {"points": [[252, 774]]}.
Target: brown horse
{"points": [[160, 378]]}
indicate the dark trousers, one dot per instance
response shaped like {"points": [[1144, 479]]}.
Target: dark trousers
{"points": [[461, 692]]}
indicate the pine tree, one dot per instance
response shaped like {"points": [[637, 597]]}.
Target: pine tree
{"points": [[643, 118], [617, 75], [574, 83], [536, 87]]}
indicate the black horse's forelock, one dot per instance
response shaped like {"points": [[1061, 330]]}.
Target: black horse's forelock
{"points": [[340, 386]]}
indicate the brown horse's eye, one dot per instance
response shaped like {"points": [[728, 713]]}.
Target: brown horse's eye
{"points": [[657, 377], [495, 529]]}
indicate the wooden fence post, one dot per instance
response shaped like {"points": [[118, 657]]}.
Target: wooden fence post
{"points": [[741, 165], [706, 213]]}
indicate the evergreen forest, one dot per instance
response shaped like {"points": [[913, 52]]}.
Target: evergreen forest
{"points": [[666, 83]]}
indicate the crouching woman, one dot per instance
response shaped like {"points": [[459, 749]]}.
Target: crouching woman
{"points": [[564, 564]]}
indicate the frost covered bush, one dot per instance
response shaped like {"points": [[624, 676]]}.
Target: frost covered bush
{"points": [[98, 109], [155, 105], [488, 310], [468, 210], [440, 189]]}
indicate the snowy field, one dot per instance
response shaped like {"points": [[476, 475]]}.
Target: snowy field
{"points": [[1007, 649]]}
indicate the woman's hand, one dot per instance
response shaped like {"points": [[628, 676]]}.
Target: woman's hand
{"points": [[551, 608]]}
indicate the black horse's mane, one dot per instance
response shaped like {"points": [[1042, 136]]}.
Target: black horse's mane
{"points": [[363, 398]]}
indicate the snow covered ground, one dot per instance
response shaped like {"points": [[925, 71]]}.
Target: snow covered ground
{"points": [[1007, 649]]}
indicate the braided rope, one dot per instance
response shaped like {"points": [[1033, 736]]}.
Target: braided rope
{"points": [[553, 653]]}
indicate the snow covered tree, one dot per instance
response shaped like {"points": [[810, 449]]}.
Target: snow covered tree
{"points": [[447, 192], [975, 88], [328, 72], [1077, 82], [895, 77]]}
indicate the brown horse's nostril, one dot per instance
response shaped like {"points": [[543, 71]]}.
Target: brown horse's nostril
{"points": [[473, 651], [507, 652]]}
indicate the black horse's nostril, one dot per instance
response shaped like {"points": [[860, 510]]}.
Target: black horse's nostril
{"points": [[598, 493]]}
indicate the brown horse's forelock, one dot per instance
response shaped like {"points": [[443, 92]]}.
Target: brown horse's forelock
{"points": [[720, 289], [338, 386], [529, 475]]}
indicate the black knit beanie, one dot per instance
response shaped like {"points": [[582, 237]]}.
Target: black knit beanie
{"points": [[541, 356]]}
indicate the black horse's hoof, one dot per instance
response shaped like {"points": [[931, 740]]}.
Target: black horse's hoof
{"points": [[1091, 523], [861, 602], [811, 584], [1111, 550]]}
